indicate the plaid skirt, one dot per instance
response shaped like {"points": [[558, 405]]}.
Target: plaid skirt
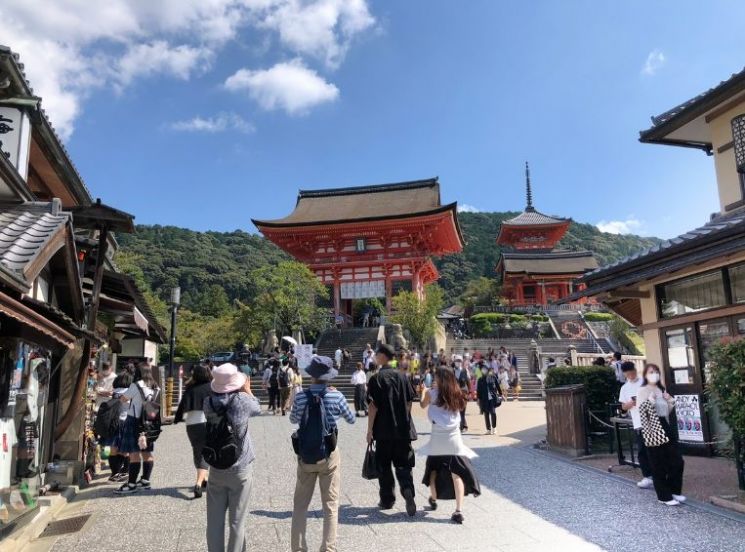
{"points": [[129, 435]]}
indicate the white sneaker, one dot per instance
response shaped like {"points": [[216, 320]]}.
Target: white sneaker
{"points": [[671, 503], [679, 498], [645, 483], [493, 431]]}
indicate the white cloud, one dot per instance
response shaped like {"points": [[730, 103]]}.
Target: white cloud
{"points": [[72, 47], [629, 226], [654, 62], [466, 208], [159, 57], [220, 123], [290, 86], [323, 29]]}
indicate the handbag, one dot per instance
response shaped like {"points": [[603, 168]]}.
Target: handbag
{"points": [[370, 464]]}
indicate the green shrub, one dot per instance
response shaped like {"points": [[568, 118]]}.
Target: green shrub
{"points": [[600, 383], [491, 317], [599, 317], [727, 384]]}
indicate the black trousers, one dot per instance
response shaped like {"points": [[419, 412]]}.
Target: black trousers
{"points": [[360, 394], [463, 422], [400, 455], [667, 470], [273, 397], [642, 454], [490, 418]]}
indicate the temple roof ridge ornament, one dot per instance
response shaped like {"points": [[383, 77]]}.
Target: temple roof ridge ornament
{"points": [[529, 192]]}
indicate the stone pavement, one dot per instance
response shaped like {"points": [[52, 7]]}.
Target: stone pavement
{"points": [[531, 501]]}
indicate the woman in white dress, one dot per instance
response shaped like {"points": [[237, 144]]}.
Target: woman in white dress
{"points": [[448, 473]]}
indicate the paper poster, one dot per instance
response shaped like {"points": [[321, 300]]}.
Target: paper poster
{"points": [[303, 353], [688, 412], [682, 377]]}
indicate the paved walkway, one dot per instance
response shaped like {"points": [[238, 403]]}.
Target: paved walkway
{"points": [[531, 501]]}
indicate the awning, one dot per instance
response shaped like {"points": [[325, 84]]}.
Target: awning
{"points": [[27, 316]]}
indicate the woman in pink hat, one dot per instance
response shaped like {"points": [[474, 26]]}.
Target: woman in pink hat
{"points": [[231, 470]]}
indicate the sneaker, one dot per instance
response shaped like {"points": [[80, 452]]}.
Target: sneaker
{"points": [[488, 432], [493, 431], [670, 502], [457, 517], [126, 489], [197, 491], [122, 477], [679, 498], [432, 503], [408, 495], [645, 483], [143, 484], [385, 505]]}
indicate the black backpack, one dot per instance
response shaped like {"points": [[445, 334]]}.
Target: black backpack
{"points": [[274, 379], [284, 378], [223, 445], [107, 421], [150, 420], [313, 441]]}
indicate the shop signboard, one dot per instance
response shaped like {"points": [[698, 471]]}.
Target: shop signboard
{"points": [[688, 412], [15, 137]]}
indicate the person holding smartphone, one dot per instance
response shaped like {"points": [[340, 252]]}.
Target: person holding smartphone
{"points": [[627, 398]]}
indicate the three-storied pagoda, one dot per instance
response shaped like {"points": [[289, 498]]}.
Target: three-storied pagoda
{"points": [[370, 241], [532, 270]]}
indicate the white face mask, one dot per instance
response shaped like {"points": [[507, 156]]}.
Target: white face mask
{"points": [[653, 377]]}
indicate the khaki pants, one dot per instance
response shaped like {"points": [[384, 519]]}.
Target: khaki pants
{"points": [[328, 474]]}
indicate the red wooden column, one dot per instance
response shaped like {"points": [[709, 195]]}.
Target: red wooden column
{"points": [[337, 296], [388, 294]]}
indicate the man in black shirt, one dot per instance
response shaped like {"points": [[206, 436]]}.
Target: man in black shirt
{"points": [[390, 395]]}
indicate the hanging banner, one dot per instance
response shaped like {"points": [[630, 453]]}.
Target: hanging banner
{"points": [[688, 412], [362, 290]]}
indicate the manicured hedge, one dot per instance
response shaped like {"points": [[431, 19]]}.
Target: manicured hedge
{"points": [[598, 317], [600, 383]]}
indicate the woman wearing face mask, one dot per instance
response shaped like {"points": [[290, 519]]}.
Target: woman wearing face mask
{"points": [[660, 437]]}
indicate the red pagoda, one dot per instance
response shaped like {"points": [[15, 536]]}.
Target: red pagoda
{"points": [[371, 241], [532, 269]]}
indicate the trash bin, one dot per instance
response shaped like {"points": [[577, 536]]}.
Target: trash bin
{"points": [[565, 419]]}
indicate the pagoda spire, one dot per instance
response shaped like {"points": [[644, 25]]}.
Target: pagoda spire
{"points": [[529, 191]]}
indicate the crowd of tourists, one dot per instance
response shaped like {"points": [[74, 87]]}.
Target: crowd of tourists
{"points": [[218, 403]]}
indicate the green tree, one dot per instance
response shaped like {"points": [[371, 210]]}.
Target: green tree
{"points": [[286, 298], [417, 316], [727, 387], [214, 302], [482, 291]]}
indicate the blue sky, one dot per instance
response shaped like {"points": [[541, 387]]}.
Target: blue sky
{"points": [[207, 114]]}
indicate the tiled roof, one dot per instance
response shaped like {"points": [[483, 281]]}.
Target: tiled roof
{"points": [[709, 231], [697, 105], [24, 231], [553, 262], [335, 205], [19, 69], [531, 217]]}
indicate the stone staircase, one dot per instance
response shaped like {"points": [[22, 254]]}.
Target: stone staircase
{"points": [[352, 339], [532, 388]]}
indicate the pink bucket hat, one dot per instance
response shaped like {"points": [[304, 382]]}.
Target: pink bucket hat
{"points": [[226, 378]]}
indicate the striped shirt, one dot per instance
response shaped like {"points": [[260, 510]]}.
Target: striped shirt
{"points": [[335, 403]]}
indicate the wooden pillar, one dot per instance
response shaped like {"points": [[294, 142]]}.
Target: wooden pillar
{"points": [[388, 294], [337, 297], [541, 292], [519, 293]]}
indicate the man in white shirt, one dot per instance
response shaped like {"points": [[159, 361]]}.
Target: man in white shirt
{"points": [[359, 380], [627, 398], [368, 357]]}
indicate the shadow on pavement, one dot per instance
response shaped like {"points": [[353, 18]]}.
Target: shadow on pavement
{"points": [[357, 515]]}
